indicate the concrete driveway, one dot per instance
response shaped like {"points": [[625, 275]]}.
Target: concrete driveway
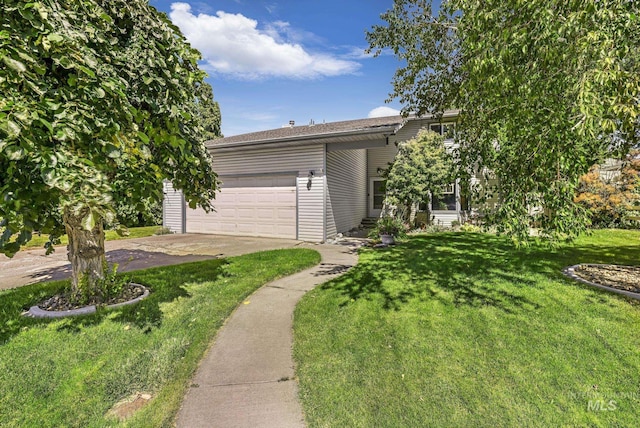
{"points": [[31, 266]]}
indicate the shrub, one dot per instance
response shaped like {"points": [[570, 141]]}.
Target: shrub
{"points": [[388, 225], [612, 202], [468, 227]]}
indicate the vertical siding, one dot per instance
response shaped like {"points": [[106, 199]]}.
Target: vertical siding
{"points": [[173, 209], [346, 190], [311, 208]]}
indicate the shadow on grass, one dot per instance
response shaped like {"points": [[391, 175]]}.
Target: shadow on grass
{"points": [[165, 284], [466, 269]]}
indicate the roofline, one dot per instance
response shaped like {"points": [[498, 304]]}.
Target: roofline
{"points": [[387, 130], [392, 130]]}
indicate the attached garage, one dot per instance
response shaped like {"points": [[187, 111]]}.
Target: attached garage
{"points": [[261, 205]]}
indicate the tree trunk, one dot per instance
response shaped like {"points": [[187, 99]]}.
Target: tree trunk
{"points": [[85, 250]]}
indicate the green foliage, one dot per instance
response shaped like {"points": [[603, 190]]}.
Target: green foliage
{"points": [[545, 90], [471, 228], [148, 212], [420, 169], [94, 93], [389, 225], [613, 203], [101, 290], [208, 113]]}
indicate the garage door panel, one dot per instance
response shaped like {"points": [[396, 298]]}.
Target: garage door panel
{"points": [[246, 213], [226, 212], [286, 214], [257, 206]]}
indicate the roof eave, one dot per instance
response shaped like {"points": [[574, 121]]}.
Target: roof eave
{"points": [[310, 139]]}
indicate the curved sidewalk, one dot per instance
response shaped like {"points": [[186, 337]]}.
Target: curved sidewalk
{"points": [[246, 378]]}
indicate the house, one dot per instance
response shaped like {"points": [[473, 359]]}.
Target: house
{"points": [[306, 182]]}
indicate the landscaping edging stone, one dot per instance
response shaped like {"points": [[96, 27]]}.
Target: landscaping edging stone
{"points": [[571, 273], [37, 312]]}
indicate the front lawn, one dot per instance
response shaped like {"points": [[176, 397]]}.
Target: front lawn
{"points": [[68, 373], [463, 330], [38, 241]]}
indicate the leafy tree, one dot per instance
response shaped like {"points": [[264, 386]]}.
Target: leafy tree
{"points": [[418, 173], [545, 88], [208, 113], [612, 201], [148, 210], [94, 92]]}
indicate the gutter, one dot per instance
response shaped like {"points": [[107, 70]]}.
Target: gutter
{"points": [[311, 139]]}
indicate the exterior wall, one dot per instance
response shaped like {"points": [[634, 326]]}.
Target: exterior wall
{"points": [[173, 209], [379, 157], [610, 169], [300, 159], [296, 161], [311, 202], [346, 183]]}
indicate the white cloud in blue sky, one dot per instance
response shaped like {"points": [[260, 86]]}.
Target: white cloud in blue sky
{"points": [[235, 45], [272, 61], [383, 111]]}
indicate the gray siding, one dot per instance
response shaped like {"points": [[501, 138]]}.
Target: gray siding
{"points": [[380, 157], [311, 208], [274, 160], [610, 169], [298, 161], [346, 194], [173, 209]]}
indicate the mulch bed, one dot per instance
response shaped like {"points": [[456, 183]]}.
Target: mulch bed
{"points": [[625, 278], [63, 302]]}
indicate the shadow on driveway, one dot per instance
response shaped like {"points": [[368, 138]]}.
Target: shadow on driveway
{"points": [[126, 259]]}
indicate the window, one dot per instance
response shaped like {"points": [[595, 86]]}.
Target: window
{"points": [[448, 130], [378, 194], [447, 202]]}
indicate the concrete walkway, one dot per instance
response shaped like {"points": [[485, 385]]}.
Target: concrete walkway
{"points": [[246, 379]]}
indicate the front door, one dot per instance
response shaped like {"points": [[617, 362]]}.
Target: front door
{"points": [[376, 196]]}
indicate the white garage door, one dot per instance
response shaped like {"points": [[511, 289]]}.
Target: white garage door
{"points": [[250, 206]]}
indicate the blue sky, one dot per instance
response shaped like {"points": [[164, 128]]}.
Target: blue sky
{"points": [[270, 62]]}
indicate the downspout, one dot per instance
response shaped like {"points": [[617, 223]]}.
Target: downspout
{"points": [[324, 193]]}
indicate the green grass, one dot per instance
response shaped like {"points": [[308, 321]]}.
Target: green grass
{"points": [[463, 330], [38, 241], [68, 373]]}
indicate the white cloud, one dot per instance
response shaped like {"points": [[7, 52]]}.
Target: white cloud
{"points": [[233, 44], [356, 52], [382, 112]]}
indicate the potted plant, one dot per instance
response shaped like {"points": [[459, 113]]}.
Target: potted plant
{"points": [[388, 228]]}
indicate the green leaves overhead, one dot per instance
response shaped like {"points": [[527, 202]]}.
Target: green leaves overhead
{"points": [[92, 90], [545, 90]]}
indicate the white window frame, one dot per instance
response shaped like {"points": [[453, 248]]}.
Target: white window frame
{"points": [[442, 126]]}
